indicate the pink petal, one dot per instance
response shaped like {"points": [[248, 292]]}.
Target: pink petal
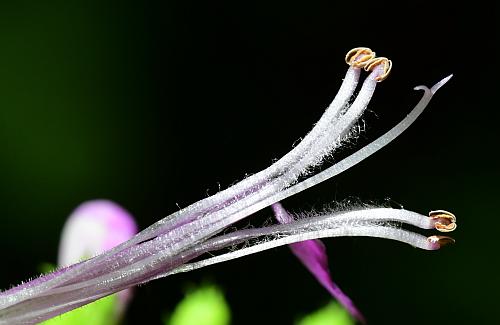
{"points": [[312, 253], [94, 227]]}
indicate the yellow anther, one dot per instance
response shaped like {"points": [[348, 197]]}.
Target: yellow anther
{"points": [[444, 221], [442, 214], [445, 228], [358, 57], [386, 66]]}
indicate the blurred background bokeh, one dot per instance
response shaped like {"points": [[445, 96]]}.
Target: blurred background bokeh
{"points": [[157, 104]]}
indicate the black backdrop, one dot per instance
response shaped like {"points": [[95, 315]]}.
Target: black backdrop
{"points": [[156, 104]]}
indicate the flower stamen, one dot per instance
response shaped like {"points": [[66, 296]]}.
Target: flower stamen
{"points": [[170, 244], [358, 57], [439, 241], [384, 63], [443, 220]]}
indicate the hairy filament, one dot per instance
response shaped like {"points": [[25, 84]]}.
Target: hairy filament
{"points": [[359, 155], [162, 248], [379, 231], [241, 189], [339, 131], [330, 172], [226, 197], [38, 310], [376, 216], [208, 227], [376, 222], [221, 219]]}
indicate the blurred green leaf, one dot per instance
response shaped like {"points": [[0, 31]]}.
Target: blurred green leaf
{"points": [[205, 305], [46, 267], [331, 314], [100, 312]]}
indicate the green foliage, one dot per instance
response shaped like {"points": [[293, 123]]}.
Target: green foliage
{"points": [[46, 267], [331, 314], [205, 305], [100, 312]]}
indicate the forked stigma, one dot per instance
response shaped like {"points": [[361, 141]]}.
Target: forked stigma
{"points": [[359, 57]]}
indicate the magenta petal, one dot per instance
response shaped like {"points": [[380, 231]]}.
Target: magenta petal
{"points": [[94, 227], [312, 253]]}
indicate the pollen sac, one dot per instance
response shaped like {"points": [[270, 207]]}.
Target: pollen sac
{"points": [[440, 241], [358, 57], [385, 63], [443, 220]]}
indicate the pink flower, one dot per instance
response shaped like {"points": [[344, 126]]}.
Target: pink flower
{"points": [[94, 227]]}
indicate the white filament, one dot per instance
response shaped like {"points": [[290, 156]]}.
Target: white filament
{"points": [[190, 234], [401, 235], [221, 219], [326, 122], [356, 157], [374, 217]]}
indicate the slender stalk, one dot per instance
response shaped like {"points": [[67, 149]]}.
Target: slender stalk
{"points": [[166, 246]]}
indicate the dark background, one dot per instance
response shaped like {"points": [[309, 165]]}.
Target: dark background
{"points": [[154, 104]]}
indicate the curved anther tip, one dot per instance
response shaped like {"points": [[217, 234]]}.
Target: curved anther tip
{"points": [[358, 57], [440, 241], [436, 214], [386, 65], [443, 220], [445, 228]]}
